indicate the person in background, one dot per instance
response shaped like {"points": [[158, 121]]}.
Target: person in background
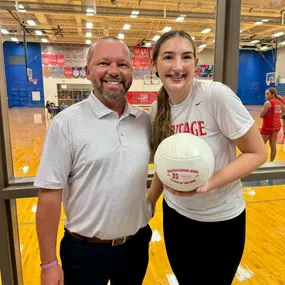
{"points": [[270, 113], [204, 229], [95, 158], [48, 107], [283, 119]]}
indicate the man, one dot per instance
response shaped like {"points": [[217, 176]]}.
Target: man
{"points": [[96, 154]]}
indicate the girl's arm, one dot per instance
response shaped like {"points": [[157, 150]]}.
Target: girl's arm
{"points": [[265, 108], [156, 189]]}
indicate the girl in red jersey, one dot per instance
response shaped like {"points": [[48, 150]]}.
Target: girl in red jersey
{"points": [[283, 118], [271, 111]]}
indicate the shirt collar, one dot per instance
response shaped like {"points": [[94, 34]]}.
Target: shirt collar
{"points": [[100, 110]]}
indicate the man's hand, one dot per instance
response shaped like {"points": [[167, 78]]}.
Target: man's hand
{"points": [[52, 276]]}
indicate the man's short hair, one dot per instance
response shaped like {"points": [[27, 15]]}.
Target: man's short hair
{"points": [[90, 50]]}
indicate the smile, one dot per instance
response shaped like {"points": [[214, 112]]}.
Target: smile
{"points": [[112, 82], [176, 77]]}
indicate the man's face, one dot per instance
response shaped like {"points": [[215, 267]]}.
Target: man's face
{"points": [[110, 69]]}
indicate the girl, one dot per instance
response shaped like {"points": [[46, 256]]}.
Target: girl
{"points": [[271, 111], [204, 230]]}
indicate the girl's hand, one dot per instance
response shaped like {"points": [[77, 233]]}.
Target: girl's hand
{"points": [[201, 189]]}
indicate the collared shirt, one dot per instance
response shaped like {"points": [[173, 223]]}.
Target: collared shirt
{"points": [[100, 160]]}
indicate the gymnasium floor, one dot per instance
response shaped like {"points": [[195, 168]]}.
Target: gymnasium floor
{"points": [[263, 262]]}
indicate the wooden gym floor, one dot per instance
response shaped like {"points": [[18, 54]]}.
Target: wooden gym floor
{"points": [[263, 262]]}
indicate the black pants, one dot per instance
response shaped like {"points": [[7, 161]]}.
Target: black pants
{"points": [[203, 253], [96, 263]]}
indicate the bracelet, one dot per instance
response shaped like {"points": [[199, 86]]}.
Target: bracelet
{"points": [[47, 266]]}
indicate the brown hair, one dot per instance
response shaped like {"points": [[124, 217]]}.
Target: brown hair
{"points": [[274, 92], [162, 122]]}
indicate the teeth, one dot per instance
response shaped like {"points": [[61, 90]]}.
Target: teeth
{"points": [[113, 82], [177, 77]]}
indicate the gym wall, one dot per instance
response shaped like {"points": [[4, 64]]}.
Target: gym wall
{"points": [[251, 82], [252, 76], [19, 89]]}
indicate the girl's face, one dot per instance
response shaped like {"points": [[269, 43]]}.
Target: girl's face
{"points": [[268, 95], [175, 65]]}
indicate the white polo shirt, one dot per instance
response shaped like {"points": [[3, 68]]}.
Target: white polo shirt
{"points": [[213, 112], [101, 163]]}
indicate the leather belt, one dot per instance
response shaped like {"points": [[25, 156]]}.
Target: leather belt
{"points": [[113, 242]]}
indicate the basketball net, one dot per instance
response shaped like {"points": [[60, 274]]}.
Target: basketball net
{"points": [[33, 80]]}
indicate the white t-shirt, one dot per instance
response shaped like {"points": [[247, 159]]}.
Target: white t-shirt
{"points": [[101, 161], [213, 112]]}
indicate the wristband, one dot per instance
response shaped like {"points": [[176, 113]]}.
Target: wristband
{"points": [[47, 266]]}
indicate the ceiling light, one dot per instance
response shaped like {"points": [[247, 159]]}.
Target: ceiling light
{"points": [[31, 23], [255, 42], [89, 25], [240, 31], [121, 36], [88, 35], [206, 31], [193, 38], [264, 48], [279, 34], [202, 46], [180, 19], [147, 45], [20, 8], [155, 38], [135, 12], [258, 23], [44, 40], [4, 31], [88, 42], [166, 29], [265, 20], [14, 39], [39, 33], [90, 12], [126, 27], [133, 16]]}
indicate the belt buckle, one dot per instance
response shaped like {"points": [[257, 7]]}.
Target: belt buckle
{"points": [[116, 241]]}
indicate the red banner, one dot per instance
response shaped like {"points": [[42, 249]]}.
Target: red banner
{"points": [[52, 59], [140, 97], [60, 59], [68, 72], [142, 57], [45, 59]]}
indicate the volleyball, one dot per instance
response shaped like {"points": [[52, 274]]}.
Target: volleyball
{"points": [[184, 162]]}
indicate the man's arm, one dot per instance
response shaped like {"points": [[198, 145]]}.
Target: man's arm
{"points": [[47, 220]]}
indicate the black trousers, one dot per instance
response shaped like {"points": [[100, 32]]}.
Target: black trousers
{"points": [[203, 253], [96, 263]]}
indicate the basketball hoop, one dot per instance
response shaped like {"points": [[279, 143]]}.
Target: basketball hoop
{"points": [[33, 80], [272, 77], [29, 74]]}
